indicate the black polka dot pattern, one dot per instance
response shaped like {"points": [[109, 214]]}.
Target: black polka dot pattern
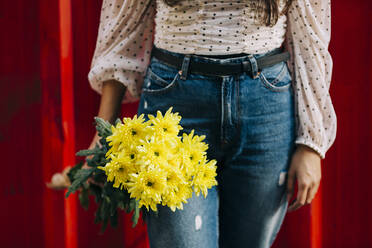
{"points": [[307, 39], [215, 27], [127, 33], [124, 43]]}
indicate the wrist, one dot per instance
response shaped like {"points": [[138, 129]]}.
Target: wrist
{"points": [[110, 105], [308, 150]]}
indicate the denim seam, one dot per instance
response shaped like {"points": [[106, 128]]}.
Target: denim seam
{"points": [[158, 79], [222, 109], [238, 114], [272, 85], [165, 89]]}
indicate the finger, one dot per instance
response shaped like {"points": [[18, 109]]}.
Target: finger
{"points": [[89, 180], [85, 166], [290, 185], [301, 197], [98, 183], [311, 194]]}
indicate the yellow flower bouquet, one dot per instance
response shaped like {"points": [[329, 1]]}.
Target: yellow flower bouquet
{"points": [[143, 164]]}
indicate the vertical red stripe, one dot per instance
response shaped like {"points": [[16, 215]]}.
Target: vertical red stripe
{"points": [[316, 220], [52, 137], [67, 102]]}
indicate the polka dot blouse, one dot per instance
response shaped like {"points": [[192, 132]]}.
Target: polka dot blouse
{"points": [[129, 28]]}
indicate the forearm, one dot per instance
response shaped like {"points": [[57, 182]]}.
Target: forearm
{"points": [[112, 95]]}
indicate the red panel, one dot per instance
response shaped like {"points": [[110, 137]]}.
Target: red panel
{"points": [[27, 208], [68, 122], [346, 181], [52, 135]]}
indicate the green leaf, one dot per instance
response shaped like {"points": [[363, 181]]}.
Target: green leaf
{"points": [[103, 127], [95, 151], [114, 219], [104, 213], [118, 120], [72, 172], [97, 218], [145, 213], [80, 177], [104, 225], [113, 206], [132, 204], [104, 144], [97, 192], [135, 215], [84, 198], [122, 205], [127, 209]]}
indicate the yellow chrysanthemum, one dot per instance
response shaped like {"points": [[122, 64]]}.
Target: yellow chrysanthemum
{"points": [[131, 131], [135, 128], [148, 186], [176, 195], [184, 191], [173, 200], [130, 155], [187, 168], [155, 165], [167, 125], [117, 172], [204, 177], [174, 177], [153, 151], [174, 148], [192, 149], [116, 138], [194, 146]]}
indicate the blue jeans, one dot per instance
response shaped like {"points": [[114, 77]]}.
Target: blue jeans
{"points": [[250, 128]]}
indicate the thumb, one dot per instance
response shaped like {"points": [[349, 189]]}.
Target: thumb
{"points": [[290, 185]]}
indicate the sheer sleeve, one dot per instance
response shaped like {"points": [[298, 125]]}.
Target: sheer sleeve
{"points": [[123, 46], [307, 39]]}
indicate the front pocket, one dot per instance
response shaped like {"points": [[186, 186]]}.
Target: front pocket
{"points": [[154, 83], [276, 77]]}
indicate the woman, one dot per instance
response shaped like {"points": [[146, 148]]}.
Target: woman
{"points": [[222, 65]]}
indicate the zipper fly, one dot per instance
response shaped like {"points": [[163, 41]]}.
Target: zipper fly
{"points": [[229, 108]]}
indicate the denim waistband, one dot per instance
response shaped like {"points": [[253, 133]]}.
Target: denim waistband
{"points": [[238, 59]]}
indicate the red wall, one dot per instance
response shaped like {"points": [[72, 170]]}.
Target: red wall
{"points": [[42, 106]]}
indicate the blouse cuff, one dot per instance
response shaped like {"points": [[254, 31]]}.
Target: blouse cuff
{"points": [[131, 79], [316, 148]]}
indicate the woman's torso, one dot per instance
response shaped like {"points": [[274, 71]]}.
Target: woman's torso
{"points": [[215, 27]]}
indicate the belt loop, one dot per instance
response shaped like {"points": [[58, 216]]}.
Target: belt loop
{"points": [[254, 66], [185, 66]]}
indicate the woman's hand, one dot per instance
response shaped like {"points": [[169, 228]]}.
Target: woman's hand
{"points": [[306, 169], [93, 143], [109, 109], [95, 140]]}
